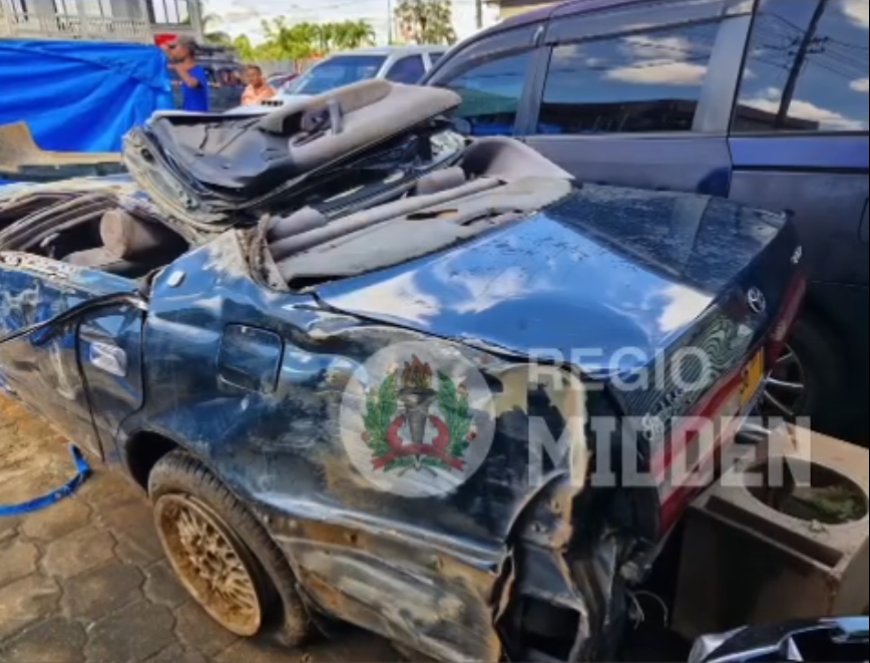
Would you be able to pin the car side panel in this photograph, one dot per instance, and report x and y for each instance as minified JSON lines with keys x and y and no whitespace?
{"x":675,"y":162}
{"x":827,"y":206}
{"x":264,"y":419}
{"x":110,"y":356}
{"x":42,"y":368}
{"x":823,"y":182}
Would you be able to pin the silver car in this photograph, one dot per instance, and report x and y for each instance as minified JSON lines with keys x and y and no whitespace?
{"x":398,"y":64}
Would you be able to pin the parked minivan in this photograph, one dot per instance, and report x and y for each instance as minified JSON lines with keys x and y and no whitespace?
{"x":764,"y":102}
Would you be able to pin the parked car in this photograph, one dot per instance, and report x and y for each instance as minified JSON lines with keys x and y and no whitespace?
{"x":764,"y":103}
{"x":357,"y":365}
{"x":397,"y":64}
{"x":278,"y":81}
{"x":802,"y":641}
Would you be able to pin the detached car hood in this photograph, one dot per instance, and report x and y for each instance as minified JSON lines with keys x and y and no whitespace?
{"x":209,"y":168}
{"x":605,"y":269}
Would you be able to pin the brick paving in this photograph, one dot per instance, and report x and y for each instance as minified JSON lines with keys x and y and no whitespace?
{"x":86,"y":581}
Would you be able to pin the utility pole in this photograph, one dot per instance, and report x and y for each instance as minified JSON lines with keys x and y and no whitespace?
{"x":390,"y":19}
{"x":800,"y":56}
{"x":479,"y":13}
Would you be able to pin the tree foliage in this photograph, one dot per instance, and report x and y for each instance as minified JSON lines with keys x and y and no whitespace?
{"x":301,"y":41}
{"x":244,"y":48}
{"x":214,"y":36}
{"x":426,"y":21}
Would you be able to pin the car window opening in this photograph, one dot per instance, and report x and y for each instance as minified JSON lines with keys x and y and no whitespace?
{"x":91,"y":231}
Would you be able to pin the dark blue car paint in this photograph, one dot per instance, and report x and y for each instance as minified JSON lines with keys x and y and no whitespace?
{"x":43,"y":369}
{"x":248,"y":379}
{"x":674,"y":254}
{"x":820,"y":178}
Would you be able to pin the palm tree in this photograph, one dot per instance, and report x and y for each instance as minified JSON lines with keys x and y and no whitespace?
{"x":242,"y":46}
{"x":214,"y":36}
{"x":354,"y":34}
{"x":326,"y":34}
{"x":427,"y":21}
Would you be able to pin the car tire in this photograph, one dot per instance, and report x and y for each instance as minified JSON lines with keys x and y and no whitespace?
{"x":202,"y":525}
{"x":822,"y":372}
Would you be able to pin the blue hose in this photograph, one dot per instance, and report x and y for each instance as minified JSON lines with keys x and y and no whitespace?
{"x":83,"y":471}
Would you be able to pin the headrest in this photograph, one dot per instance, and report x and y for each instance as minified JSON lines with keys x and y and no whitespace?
{"x":127,"y":238}
{"x":348,"y":99}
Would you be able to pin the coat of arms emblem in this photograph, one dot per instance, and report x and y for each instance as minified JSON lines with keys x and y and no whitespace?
{"x":419,"y":419}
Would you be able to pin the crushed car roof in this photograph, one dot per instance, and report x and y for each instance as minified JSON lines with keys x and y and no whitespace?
{"x":206,"y":168}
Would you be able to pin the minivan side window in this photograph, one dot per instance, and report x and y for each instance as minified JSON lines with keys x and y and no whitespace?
{"x":806,"y":68}
{"x":640,"y":82}
{"x":491,"y":93}
{"x":407,"y":70}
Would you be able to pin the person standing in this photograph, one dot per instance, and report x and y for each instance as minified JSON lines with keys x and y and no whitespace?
{"x":258,"y":90}
{"x":192,"y":77}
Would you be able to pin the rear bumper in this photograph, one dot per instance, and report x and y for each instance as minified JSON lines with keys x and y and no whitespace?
{"x":692,"y":457}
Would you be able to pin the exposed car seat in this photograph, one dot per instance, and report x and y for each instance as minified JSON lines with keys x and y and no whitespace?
{"x":131,"y":246}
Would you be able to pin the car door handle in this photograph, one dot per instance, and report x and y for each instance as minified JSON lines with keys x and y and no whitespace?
{"x":108,"y":358}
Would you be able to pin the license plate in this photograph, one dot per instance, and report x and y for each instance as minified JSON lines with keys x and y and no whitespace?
{"x":753,"y":375}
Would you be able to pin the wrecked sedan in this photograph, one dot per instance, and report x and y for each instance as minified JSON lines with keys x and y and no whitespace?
{"x":356,"y":360}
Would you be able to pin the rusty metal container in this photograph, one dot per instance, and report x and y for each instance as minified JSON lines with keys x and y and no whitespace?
{"x":756,"y":554}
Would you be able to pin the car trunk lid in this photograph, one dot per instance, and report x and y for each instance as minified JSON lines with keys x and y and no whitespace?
{"x":605,"y":269}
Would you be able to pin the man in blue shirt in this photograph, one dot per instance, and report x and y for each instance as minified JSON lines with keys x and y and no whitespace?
{"x":193,"y":79}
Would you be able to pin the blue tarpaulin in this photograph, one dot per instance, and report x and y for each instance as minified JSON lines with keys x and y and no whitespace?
{"x":81,"y":96}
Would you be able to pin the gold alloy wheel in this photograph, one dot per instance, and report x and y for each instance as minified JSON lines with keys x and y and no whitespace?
{"x":211,"y":562}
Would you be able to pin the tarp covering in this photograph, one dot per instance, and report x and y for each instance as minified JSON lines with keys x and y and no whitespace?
{"x":81,"y":96}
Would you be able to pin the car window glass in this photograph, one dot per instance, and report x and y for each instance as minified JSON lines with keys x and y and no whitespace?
{"x":491,"y":94}
{"x":407,"y":70}
{"x":644,"y":81}
{"x":434,"y":57}
{"x":337,"y":71}
{"x":806,"y":68}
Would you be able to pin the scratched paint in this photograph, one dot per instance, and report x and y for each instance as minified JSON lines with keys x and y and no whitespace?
{"x":455,"y":575}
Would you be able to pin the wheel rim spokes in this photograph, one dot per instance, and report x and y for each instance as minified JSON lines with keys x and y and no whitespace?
{"x":785,"y":388}
{"x":210,"y":561}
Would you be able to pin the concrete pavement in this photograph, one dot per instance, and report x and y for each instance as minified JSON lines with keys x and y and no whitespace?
{"x":86,"y":581}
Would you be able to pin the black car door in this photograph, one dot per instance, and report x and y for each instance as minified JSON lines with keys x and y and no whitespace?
{"x":81,"y":372}
{"x":639,"y":95}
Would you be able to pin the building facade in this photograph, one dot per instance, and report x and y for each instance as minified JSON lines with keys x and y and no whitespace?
{"x":101,"y":20}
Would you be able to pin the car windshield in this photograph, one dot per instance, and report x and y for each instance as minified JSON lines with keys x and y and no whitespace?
{"x":335,"y":72}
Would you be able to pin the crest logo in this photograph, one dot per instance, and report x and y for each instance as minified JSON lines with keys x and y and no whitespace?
{"x":417,"y":419}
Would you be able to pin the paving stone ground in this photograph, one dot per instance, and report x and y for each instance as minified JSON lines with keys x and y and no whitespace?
{"x":85,"y":581}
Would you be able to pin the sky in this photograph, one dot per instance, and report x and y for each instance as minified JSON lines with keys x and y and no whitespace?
{"x":245,"y":16}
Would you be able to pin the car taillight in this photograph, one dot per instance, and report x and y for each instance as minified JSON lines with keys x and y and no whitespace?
{"x":785,"y":319}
